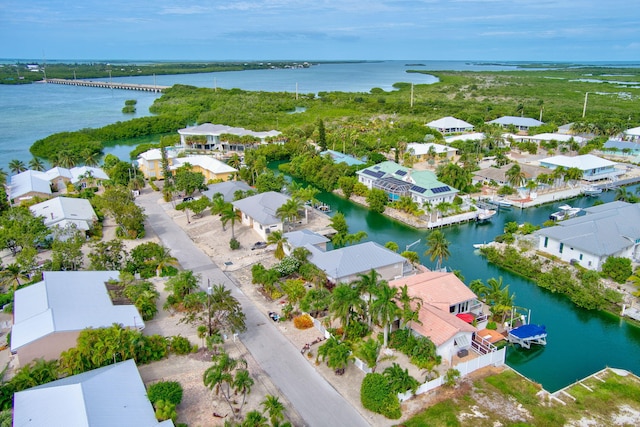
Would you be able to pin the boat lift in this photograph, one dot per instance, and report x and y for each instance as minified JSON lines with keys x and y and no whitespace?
{"x":527,"y":333}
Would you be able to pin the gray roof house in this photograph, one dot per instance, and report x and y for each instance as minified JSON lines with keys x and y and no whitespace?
{"x":611,"y":229}
{"x":344,"y":264}
{"x":227,"y":189}
{"x":110,"y":396}
{"x":300,"y":238}
{"x":259,"y":212}
{"x":521,"y":123}
{"x":27,"y":185}
{"x":49,"y":315}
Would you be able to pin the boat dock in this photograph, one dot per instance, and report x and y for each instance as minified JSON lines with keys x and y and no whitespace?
{"x":109,"y":85}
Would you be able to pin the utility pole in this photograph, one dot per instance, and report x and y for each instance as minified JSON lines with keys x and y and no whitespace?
{"x":411,"y":103}
{"x":209,"y":291}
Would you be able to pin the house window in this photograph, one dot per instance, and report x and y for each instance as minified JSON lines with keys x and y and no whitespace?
{"x":580,"y":257}
{"x":561,"y":247}
{"x":546,"y":241}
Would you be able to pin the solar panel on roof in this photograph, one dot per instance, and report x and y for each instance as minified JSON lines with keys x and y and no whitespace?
{"x":373,"y":173}
{"x":401,"y":172}
{"x":418,"y":189}
{"x":437,"y":190}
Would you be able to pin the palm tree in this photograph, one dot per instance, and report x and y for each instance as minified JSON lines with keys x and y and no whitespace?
{"x":343,"y":300}
{"x":288,"y":211}
{"x":385,"y":308}
{"x":65,"y":159}
{"x":253,"y":419}
{"x":16,"y":166}
{"x":515,"y":176}
{"x":229,"y":214}
{"x":3,"y":176}
{"x":368,"y":283}
{"x":368,"y":351}
{"x":163,"y":259}
{"x":392,"y":246}
{"x":409,"y":307}
{"x":90,"y":158}
{"x":438,"y":247}
{"x":242,"y":383}
{"x":12,"y":274}
{"x":278,"y":239}
{"x":339,"y":357}
{"x":400,"y":380}
{"x":622,"y":194}
{"x":218,"y":204}
{"x":36,"y":164}
{"x":272,"y":405}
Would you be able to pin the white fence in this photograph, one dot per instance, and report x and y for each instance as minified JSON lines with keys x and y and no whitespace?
{"x":495,"y":358}
{"x":321,"y":328}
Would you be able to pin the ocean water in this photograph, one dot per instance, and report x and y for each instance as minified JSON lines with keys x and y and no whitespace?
{"x":31,"y":112}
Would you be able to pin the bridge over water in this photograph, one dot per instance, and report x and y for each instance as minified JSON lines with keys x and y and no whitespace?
{"x":108,"y":85}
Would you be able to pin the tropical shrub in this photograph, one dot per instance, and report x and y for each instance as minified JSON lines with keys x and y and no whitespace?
{"x":180,"y":345}
{"x":304,"y":321}
{"x":287,"y":266}
{"x":169,"y":391}
{"x":376,"y":396}
{"x":234,"y":244}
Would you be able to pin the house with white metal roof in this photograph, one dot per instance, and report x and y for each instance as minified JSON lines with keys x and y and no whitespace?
{"x":339,"y":157}
{"x":49,"y":315}
{"x":27,"y":185}
{"x":521,"y":123}
{"x":450,"y":125}
{"x":443,"y":297}
{"x":212,"y":169}
{"x":62,"y":212}
{"x":622,"y":147}
{"x":345,"y":264}
{"x":397,"y":181}
{"x":548,"y":137}
{"x":611,"y":229}
{"x":150,"y":162}
{"x":259,"y":212}
{"x":593,"y":168}
{"x":113,"y":395}
{"x":425,"y":150}
{"x":212,"y":137}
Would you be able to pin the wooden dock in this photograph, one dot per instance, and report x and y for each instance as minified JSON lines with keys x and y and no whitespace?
{"x":109,"y":85}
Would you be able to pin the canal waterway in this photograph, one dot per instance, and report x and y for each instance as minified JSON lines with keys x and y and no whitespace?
{"x":580,"y":342}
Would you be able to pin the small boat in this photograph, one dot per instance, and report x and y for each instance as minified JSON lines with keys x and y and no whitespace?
{"x":526,"y":335}
{"x":504,"y":203}
{"x":565,"y":212}
{"x":591,"y":190}
{"x":485,"y":215}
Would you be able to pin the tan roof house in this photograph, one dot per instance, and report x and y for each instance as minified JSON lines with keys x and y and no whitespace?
{"x":444,"y":297}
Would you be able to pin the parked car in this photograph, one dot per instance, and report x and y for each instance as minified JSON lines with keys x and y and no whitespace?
{"x":259,"y":245}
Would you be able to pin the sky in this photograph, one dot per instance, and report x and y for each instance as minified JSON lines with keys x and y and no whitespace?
{"x":217,"y":30}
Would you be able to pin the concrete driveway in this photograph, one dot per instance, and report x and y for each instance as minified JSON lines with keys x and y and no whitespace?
{"x":317,"y":402}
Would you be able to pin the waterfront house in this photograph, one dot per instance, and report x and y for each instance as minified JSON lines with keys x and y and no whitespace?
{"x":150,"y":162}
{"x":211,"y":168}
{"x":424,"y":151}
{"x":259,"y":212}
{"x":49,"y":315}
{"x":228,"y":189}
{"x":339,"y":157}
{"x":397,"y":181}
{"x":450,"y":125}
{"x":593,"y":168}
{"x":113,"y":395}
{"x":63,"y":212}
{"x":208,"y":136}
{"x":520,"y":123}
{"x":303,"y":237}
{"x":343,"y":265}
{"x":622,"y":147}
{"x":611,"y":229}
{"x":548,"y":137}
{"x":499,"y":175}
{"x":446,"y":301}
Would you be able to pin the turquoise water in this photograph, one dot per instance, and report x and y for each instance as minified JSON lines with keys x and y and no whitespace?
{"x":580,"y":342}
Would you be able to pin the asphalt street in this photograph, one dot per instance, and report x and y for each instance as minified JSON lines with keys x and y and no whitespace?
{"x":317,"y":402}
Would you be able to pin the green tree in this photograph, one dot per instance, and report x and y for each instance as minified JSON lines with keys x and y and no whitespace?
{"x":118,"y":202}
{"x":188,"y":181}
{"x":242,"y":383}
{"x":409,"y":307}
{"x":322,"y":135}
{"x":66,"y":253}
{"x":400,"y":381}
{"x":19,"y":228}
{"x":16,"y":166}
{"x":368,"y":284}
{"x":182,"y":284}
{"x":229,"y":215}
{"x":272,"y":406}
{"x":377,"y":200}
{"x":13,"y":276}
{"x":438,"y":247}
{"x":277,"y":238}
{"x":384,"y":308}
{"x":316,"y":301}
{"x":618,"y":268}
{"x":369,"y":351}
{"x":288,"y":211}
{"x":36,"y":164}
{"x":392,"y":246}
{"x":515,"y":176}
{"x":344,"y":302}
{"x":269,"y":181}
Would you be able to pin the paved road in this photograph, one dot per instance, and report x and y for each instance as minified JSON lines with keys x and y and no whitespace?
{"x":317,"y":402}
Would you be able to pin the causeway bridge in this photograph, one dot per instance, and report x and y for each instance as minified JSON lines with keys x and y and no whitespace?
{"x":108,"y":85}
